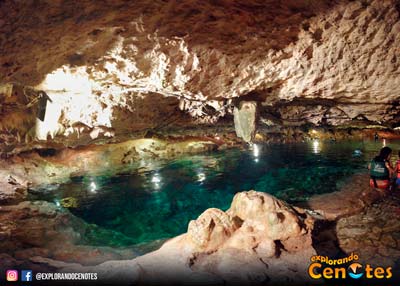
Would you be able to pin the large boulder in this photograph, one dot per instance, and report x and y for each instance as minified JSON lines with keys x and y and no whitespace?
{"x":211,"y":229}
{"x":260,"y":238}
{"x":255,"y":221}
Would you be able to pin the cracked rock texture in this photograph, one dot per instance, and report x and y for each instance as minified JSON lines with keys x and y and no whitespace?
{"x":31,"y":229}
{"x":375,"y":233}
{"x":259,"y":239}
{"x":258,"y":228}
{"x":133,"y":65}
{"x":44,"y":167}
{"x":245,"y":120}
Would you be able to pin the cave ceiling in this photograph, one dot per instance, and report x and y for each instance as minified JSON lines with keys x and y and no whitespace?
{"x":319,"y":62}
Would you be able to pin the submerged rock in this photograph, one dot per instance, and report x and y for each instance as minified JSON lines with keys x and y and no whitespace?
{"x":36,"y":168}
{"x":31,"y":229}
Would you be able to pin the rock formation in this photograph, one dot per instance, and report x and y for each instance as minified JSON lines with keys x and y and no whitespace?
{"x":259,"y":239}
{"x":244,"y":242}
{"x":49,"y":166}
{"x":245,"y":117}
{"x":132,"y":66}
{"x":30,"y":229}
{"x":85,"y":86}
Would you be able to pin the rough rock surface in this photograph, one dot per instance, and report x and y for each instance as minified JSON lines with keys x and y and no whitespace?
{"x":134,"y":64}
{"x":30,"y":229}
{"x":12,"y":190}
{"x":257,"y":228}
{"x":259,"y":239}
{"x":49,"y":166}
{"x":374,"y":233}
{"x":349,"y":200}
{"x":245,"y":116}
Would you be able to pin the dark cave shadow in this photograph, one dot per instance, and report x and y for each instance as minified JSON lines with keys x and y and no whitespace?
{"x":326,"y":243}
{"x":325,"y":240}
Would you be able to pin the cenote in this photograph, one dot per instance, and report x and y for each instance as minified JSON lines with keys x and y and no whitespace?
{"x":145,"y":206}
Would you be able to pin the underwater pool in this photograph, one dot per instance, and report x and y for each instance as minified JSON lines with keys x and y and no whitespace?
{"x":158,"y":201}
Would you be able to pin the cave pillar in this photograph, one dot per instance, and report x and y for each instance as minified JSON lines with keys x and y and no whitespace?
{"x":245,"y":120}
{"x":49,"y":112}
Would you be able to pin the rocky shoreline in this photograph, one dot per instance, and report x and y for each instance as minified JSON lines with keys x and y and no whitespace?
{"x":259,"y":240}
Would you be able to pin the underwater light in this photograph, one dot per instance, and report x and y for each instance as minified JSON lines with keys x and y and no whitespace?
{"x":357,"y":153}
{"x":58,"y":203}
{"x":256,"y":150}
{"x":156,"y":180}
{"x":316,"y":148}
{"x":201,"y":177}
{"x":93,"y":187}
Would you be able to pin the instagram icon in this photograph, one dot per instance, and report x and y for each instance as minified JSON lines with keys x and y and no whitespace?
{"x":12,"y":275}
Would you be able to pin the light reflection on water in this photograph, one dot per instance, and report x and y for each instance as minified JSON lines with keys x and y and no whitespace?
{"x":158,"y":200}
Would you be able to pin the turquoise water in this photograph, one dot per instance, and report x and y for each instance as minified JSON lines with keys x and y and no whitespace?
{"x":158,"y":201}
